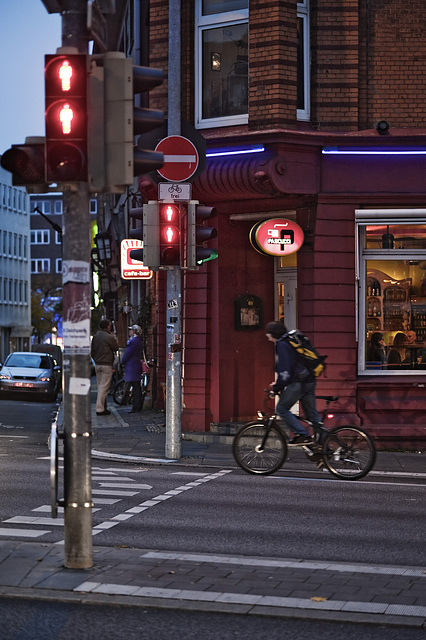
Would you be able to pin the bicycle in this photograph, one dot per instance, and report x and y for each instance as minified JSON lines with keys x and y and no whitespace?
{"x":122,"y":392}
{"x":261,"y":447}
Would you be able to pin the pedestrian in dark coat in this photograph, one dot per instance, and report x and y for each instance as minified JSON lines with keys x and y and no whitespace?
{"x":132,"y":363}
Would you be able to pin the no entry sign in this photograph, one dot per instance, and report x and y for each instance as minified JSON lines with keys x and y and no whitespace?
{"x":180,"y":158}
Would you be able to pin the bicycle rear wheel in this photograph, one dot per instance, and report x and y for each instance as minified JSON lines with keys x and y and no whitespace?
{"x":349,"y":453}
{"x":121,"y":394}
{"x":258,"y":451}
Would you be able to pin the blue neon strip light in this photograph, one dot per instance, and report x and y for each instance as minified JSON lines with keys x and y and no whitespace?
{"x":234,"y":152}
{"x":373,"y":152}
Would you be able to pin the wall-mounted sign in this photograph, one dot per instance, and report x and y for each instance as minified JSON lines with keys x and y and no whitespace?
{"x":133,"y":269}
{"x":276,"y":237}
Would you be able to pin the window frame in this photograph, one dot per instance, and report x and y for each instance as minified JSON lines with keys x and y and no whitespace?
{"x":303,"y":12}
{"x":40,"y":236}
{"x":203,"y":23}
{"x":364,"y":218}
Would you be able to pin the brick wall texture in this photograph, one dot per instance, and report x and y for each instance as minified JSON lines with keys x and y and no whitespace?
{"x":368,"y":62}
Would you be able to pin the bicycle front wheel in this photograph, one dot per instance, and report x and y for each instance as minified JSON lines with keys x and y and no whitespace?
{"x":259,"y":450}
{"x":349,"y":453}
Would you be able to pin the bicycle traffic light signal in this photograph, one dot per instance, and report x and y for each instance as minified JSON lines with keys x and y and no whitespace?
{"x":198,"y":234}
{"x":66,"y":117}
{"x":169,"y":234}
{"x":26,"y":163}
{"x":148,"y":233}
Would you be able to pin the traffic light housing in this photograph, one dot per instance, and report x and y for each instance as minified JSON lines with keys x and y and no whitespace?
{"x":198,"y":234}
{"x":169,"y":234}
{"x":148,"y":233}
{"x":123,"y":120}
{"x":26,"y":163}
{"x":66,"y":117}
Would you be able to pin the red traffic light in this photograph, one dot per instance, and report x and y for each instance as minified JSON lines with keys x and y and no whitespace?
{"x":66,"y":117}
{"x":169,"y":235}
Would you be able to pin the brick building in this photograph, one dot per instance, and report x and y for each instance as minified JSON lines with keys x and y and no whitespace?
{"x":333,"y":93}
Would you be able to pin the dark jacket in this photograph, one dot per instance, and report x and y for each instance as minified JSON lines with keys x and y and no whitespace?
{"x":104,"y":347}
{"x":288,"y":367}
{"x":131,"y":360}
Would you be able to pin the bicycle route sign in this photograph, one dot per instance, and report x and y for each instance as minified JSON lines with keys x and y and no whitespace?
{"x":180,"y":158}
{"x":175,"y":191}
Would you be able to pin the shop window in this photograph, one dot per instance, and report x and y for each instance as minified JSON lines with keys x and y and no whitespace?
{"x":392,"y":291}
{"x":221,"y":62}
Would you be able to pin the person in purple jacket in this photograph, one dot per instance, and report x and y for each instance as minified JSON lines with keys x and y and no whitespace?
{"x":132,"y":363}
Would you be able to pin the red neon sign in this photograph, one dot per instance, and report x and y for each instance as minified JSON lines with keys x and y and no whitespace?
{"x":276,"y":237}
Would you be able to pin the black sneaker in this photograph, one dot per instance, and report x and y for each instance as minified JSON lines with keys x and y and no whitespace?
{"x":300,"y":439}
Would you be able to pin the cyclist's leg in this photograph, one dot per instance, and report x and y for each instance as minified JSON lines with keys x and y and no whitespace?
{"x":309,"y":406}
{"x":288,"y":397}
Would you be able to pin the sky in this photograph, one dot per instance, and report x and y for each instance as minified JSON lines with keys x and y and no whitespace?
{"x":27,"y":33}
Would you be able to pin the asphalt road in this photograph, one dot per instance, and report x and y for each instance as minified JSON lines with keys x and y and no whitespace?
{"x":33,"y":620}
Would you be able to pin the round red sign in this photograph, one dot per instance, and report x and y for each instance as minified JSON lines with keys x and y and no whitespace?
{"x":180,"y":158}
{"x":276,"y":237}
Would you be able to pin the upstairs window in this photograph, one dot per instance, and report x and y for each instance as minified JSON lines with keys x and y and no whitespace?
{"x":221,"y":63}
{"x":303,"y":61}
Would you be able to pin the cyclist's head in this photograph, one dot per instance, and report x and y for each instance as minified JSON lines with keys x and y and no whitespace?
{"x":276,"y":330}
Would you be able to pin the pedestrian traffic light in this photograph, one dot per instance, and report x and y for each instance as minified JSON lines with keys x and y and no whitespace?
{"x":198,"y":234}
{"x":66,"y":117}
{"x":123,"y":120}
{"x":26,"y":163}
{"x":148,"y":233}
{"x":169,"y":234}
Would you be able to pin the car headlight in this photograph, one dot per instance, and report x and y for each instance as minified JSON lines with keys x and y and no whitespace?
{"x":44,"y":378}
{"x":5,"y":376}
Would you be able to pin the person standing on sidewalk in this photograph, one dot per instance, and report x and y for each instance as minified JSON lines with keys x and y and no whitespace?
{"x":132,"y":363}
{"x":103,"y":350}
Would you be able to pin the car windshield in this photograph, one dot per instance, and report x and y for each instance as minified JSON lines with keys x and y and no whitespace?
{"x":31,"y":360}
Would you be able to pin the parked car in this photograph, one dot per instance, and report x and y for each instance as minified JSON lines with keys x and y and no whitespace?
{"x":32,"y":373}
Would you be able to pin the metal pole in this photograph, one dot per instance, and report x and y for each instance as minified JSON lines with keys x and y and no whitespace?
{"x":76,"y":328}
{"x":76,"y":393}
{"x":173,"y":448}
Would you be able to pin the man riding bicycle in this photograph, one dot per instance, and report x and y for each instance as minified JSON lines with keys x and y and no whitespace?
{"x":294,"y":383}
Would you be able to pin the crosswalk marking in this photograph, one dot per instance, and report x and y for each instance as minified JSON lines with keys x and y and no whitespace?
{"x":22,"y":533}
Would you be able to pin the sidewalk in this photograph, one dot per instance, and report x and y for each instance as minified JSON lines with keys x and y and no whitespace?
{"x":385,"y":595}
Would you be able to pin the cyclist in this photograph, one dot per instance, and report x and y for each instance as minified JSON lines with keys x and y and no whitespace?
{"x":294,"y":383}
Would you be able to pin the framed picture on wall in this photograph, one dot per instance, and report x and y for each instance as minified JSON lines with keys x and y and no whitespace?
{"x":248,"y":313}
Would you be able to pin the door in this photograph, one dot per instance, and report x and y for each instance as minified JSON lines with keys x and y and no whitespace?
{"x":286,"y":296}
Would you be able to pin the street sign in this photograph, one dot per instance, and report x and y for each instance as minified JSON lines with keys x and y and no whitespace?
{"x":180,"y":158}
{"x":133,"y":269}
{"x":174,"y":191}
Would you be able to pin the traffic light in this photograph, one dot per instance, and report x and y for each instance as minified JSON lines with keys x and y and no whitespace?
{"x":66,"y":117}
{"x":123,"y":121}
{"x":26,"y":163}
{"x":198,"y":234}
{"x":169,"y":234}
{"x":148,"y":233}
